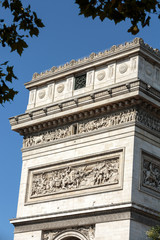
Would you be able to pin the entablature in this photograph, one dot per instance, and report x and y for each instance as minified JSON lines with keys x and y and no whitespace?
{"x":88,"y":106}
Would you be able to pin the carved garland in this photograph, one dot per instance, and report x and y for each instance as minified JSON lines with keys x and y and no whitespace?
{"x":87,"y":231}
{"x":106,"y":121}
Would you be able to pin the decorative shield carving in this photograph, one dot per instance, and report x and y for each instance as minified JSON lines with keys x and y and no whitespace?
{"x":60,"y":88}
{"x":101,"y":75}
{"x":123,"y":68}
{"x":41,"y":94}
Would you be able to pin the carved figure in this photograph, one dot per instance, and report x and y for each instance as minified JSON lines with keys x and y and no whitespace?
{"x":75,"y":177}
{"x":108,"y":120}
{"x":151,"y":175}
{"x":38,"y":139}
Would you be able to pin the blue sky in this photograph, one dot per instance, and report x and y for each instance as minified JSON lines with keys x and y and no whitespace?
{"x":66,"y":36}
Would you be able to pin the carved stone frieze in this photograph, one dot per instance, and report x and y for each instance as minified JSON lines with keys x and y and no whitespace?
{"x":87,"y":175}
{"x":76,"y":177}
{"x":47,"y":136}
{"x":87,"y":231}
{"x":106,"y":121}
{"x":151,"y":174}
{"x":148,"y":120}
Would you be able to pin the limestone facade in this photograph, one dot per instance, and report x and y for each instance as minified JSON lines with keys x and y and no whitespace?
{"x":91,"y":148}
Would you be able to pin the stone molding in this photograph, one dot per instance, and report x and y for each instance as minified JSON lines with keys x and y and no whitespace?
{"x":131,"y":212}
{"x":137,"y":42}
{"x":87,"y":175}
{"x":88,"y":100}
{"x":82,"y":233}
{"x":150,"y":174}
{"x":130,"y":115}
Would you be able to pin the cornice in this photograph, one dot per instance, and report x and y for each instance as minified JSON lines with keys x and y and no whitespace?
{"x":87,"y":106}
{"x":100,"y":210}
{"x":93,"y":60}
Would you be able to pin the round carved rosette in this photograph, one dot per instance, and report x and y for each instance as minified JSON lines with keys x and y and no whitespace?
{"x":41,"y":94}
{"x":101,"y":75}
{"x":60,"y":88}
{"x":148,"y":70}
{"x":123,"y":68}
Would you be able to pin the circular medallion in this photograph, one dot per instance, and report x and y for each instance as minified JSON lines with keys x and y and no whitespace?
{"x":60,"y":88}
{"x":41,"y":94}
{"x":149,"y":70}
{"x":123,"y":68}
{"x":101,"y":75}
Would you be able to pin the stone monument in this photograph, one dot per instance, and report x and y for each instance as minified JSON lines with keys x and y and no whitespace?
{"x":91,"y":148}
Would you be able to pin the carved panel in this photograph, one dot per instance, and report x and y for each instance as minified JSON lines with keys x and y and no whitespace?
{"x":157,"y":75}
{"x":150,"y":179}
{"x":87,"y":231}
{"x":89,"y":125}
{"x":32,"y":96}
{"x":73,"y":178}
{"x":107,"y":121}
{"x":47,"y":136}
{"x":50,"y":91}
{"x":90,"y":78}
{"x":133,"y":64}
{"x":148,"y":70}
{"x":70,"y":84}
{"x":111,"y":69}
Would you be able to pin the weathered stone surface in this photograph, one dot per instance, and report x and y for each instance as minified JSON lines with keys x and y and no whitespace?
{"x":90,"y":153}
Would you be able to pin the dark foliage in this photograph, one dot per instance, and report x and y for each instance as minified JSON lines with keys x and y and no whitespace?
{"x":25,"y":23}
{"x":137,"y":11}
{"x":154,"y":233}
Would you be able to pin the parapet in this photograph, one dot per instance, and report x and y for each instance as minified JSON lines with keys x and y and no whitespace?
{"x":122,"y":63}
{"x":112,"y":76}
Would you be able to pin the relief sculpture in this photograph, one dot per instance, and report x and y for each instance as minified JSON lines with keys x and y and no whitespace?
{"x":75,"y":177}
{"x":47,"y":136}
{"x":107,"y":121}
{"x":87,"y":231}
{"x":151,"y":175}
{"x":86,"y":126}
{"x":149,"y":121}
